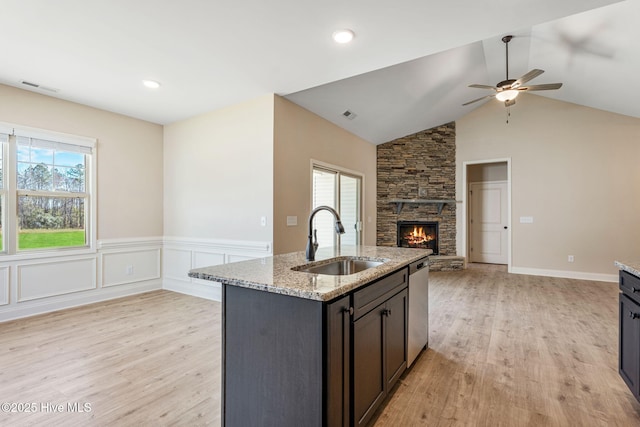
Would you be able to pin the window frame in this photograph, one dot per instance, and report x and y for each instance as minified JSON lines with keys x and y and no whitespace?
{"x":11,"y":193}
{"x":340,"y":171}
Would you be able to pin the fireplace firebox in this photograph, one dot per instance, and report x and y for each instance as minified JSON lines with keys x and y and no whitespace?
{"x":418,"y":234}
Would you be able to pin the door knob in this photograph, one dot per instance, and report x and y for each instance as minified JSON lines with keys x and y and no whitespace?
{"x":505,"y":227}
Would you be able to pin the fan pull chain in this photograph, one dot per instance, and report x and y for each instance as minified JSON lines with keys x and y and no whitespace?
{"x":508,"y":114}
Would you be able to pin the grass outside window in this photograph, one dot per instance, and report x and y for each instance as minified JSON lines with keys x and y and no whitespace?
{"x":36,"y":239}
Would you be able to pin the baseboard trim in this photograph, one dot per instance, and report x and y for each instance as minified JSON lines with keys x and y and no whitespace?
{"x":579,"y":275}
{"x":211,"y":291}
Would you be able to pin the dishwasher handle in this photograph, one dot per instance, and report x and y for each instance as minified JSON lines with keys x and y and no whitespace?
{"x":418,"y":265}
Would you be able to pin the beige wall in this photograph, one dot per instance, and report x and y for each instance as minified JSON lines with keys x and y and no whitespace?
{"x":574,"y":170}
{"x":299,"y":137}
{"x":218,"y":173}
{"x":129,"y":158}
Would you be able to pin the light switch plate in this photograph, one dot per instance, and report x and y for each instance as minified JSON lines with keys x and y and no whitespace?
{"x":526,"y":220}
{"x":292,"y":220}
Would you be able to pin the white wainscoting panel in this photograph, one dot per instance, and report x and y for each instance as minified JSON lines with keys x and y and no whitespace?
{"x":175,"y":263}
{"x":30,"y":286}
{"x":183,"y":254}
{"x":238,"y":258}
{"x":4,"y":285}
{"x":46,"y":279}
{"x":205,"y":259}
{"x":119,"y":268}
{"x":123,"y":267}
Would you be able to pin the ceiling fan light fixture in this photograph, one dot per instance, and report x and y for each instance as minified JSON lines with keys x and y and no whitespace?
{"x":507,"y":95}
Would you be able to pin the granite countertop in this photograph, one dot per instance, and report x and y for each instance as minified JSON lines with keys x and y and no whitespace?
{"x":631,"y":267}
{"x":274,"y":274}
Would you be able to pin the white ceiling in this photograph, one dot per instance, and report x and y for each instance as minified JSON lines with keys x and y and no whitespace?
{"x":412,"y":60}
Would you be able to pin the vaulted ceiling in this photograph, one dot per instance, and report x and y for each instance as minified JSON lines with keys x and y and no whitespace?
{"x":407,"y":69}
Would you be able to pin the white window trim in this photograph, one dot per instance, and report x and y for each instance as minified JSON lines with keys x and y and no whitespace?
{"x":323,"y":165}
{"x":91,"y":184}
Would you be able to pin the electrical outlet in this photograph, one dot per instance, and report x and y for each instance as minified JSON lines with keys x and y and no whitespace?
{"x":570,"y":258}
{"x":129,"y":270}
{"x":263,"y":221}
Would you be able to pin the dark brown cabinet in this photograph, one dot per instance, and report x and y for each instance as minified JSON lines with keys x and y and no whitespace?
{"x":629,"y":340}
{"x":368,"y":373}
{"x":338,"y":362}
{"x":395,"y":338}
{"x":303,"y":362}
{"x":379,"y":345}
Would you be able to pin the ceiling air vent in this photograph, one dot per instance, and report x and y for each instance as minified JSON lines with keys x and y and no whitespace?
{"x":350,"y":114}
{"x":37,"y":86}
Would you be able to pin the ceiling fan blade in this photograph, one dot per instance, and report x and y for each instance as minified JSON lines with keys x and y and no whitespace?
{"x":546,"y":86}
{"x":483,"y":87}
{"x":479,"y":99}
{"x":529,"y":76}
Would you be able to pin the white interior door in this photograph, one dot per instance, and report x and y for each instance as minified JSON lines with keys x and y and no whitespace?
{"x":488,"y":222}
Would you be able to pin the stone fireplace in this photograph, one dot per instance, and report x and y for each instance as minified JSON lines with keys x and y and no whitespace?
{"x":421,"y":167}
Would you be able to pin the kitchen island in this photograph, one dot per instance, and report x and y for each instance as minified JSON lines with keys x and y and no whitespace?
{"x":312,"y":349}
{"x":629,"y":325}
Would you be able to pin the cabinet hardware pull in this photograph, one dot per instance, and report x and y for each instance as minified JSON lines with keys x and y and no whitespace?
{"x":634,"y":290}
{"x":634,"y":315}
{"x":386,"y":312}
{"x":348,"y":310}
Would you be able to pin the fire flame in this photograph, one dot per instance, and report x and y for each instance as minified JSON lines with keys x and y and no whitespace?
{"x":418,"y":236}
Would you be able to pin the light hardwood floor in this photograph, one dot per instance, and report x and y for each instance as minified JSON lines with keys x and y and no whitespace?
{"x":504,"y":350}
{"x":151,"y":359}
{"x":515,"y":350}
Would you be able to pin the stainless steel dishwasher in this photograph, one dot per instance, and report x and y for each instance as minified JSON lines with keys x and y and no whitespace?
{"x":418,"y":308}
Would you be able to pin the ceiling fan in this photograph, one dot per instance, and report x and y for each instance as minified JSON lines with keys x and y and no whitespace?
{"x":507,"y":90}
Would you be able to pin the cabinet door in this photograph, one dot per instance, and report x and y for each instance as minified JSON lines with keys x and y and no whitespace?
{"x":338,"y":358}
{"x":629,"y":352}
{"x":368,"y":365}
{"x":395,"y":324}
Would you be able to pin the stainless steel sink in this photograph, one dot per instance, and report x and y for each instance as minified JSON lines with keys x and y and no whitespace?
{"x":339,"y":267}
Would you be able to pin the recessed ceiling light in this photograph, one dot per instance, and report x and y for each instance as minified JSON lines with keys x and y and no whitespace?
{"x":343,"y":36}
{"x":151,"y":84}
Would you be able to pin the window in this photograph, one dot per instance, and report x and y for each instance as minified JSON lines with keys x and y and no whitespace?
{"x":340,"y":190}
{"x":47,"y":191}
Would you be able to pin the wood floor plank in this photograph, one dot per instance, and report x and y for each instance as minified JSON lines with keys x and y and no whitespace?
{"x":505,"y":350}
{"x":516,"y":350}
{"x":149,"y":359}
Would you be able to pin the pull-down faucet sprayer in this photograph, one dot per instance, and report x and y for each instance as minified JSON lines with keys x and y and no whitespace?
{"x":311,"y":248}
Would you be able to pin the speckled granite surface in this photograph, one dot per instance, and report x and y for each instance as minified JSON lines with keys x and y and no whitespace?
{"x":274,"y":274}
{"x":631,"y":267}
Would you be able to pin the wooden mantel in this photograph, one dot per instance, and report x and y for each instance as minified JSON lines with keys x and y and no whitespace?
{"x":401,"y":202}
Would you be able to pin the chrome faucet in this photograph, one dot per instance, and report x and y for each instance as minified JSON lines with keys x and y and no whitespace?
{"x":311,"y":245}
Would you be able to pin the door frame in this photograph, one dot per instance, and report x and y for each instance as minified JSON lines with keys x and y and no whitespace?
{"x":464,"y":223}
